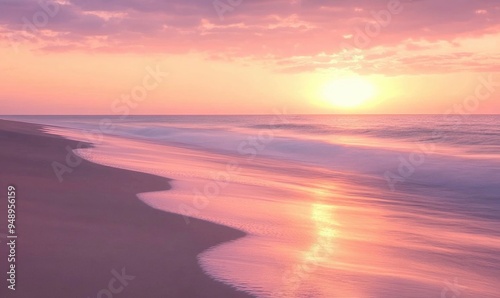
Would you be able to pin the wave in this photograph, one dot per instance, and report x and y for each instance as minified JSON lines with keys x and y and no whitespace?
{"x":320,"y":213}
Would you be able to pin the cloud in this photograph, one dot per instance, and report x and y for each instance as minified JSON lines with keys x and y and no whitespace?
{"x":313,"y":31}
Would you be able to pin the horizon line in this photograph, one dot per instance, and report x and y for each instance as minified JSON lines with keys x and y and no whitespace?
{"x":293,"y":114}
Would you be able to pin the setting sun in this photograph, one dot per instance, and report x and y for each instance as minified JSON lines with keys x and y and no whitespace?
{"x":349,"y":92}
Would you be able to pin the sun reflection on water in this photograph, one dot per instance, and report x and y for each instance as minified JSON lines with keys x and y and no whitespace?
{"x":320,"y":253}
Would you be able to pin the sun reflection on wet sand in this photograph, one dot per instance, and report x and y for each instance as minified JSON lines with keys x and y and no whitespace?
{"x":319,"y":254}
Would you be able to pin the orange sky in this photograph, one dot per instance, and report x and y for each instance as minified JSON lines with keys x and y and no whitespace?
{"x":91,"y":57}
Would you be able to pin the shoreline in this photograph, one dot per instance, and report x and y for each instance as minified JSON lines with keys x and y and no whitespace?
{"x":76,"y":235}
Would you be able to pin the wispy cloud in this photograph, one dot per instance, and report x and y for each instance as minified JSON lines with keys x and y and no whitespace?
{"x":299,"y":35}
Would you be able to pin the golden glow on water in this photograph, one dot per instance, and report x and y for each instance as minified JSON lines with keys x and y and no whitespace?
{"x":321,"y":252}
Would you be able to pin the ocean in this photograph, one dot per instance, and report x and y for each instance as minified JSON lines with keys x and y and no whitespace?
{"x":332,"y":205}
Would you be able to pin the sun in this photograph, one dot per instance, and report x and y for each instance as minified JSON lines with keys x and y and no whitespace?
{"x":349,"y":92}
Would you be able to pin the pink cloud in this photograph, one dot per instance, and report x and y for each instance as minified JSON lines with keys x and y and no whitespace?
{"x":316,"y":31}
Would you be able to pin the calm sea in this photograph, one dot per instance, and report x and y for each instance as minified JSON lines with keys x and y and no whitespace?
{"x":333,"y":206}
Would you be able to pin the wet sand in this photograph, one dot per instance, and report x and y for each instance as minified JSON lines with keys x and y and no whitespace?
{"x":74,"y":233}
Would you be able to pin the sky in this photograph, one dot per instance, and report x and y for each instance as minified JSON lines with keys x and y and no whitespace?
{"x":249,"y":57}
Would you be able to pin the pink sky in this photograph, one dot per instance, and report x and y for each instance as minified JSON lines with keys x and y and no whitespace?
{"x":247,"y":57}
